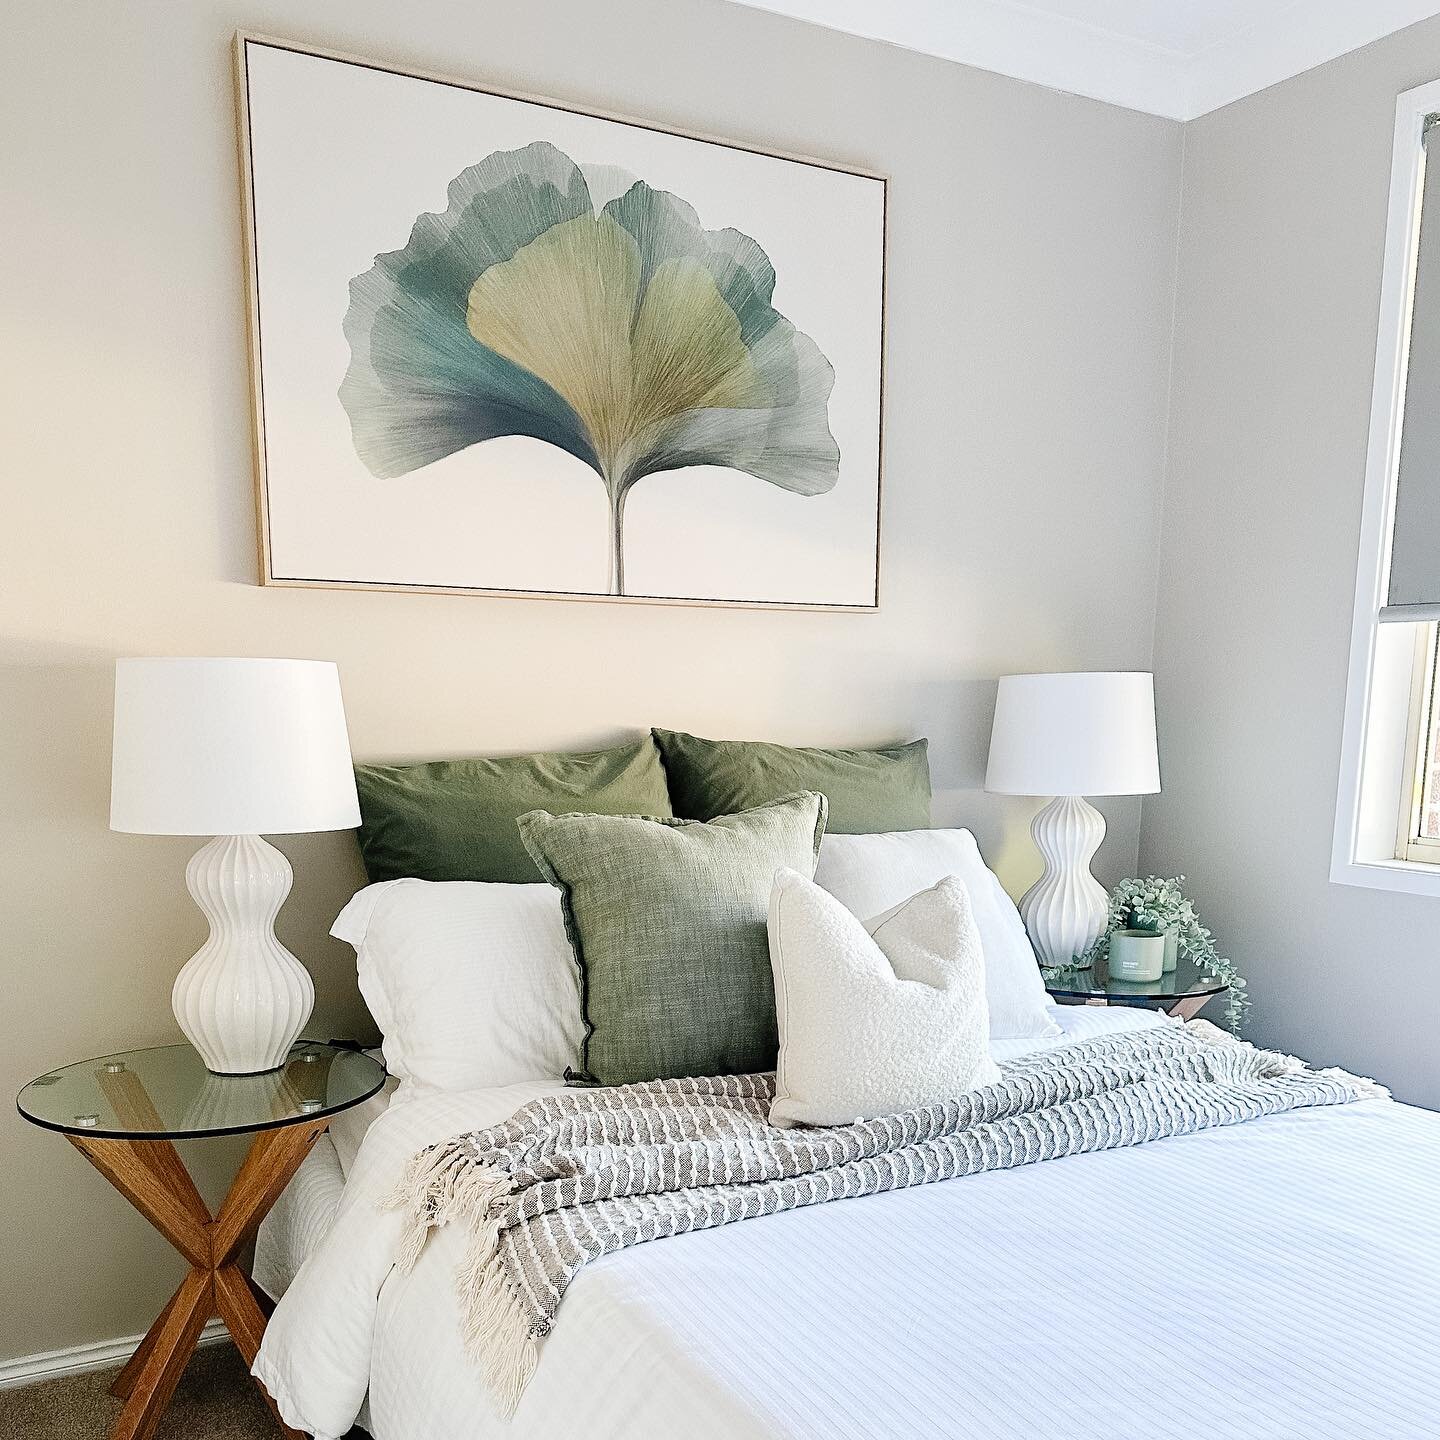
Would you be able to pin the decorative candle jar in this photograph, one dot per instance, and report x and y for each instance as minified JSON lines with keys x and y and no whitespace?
{"x":1137,"y":955}
{"x":1172,"y":949}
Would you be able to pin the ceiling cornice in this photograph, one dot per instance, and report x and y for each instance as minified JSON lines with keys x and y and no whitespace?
{"x":1282,"y":46}
{"x":1011,"y":38}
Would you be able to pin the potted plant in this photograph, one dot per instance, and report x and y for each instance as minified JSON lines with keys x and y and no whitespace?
{"x":1158,"y":905}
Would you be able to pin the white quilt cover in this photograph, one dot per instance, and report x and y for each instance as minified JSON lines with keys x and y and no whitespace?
{"x":299,"y":1220}
{"x":1278,"y":1280}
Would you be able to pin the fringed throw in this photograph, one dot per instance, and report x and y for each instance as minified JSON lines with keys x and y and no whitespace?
{"x":581,"y":1173}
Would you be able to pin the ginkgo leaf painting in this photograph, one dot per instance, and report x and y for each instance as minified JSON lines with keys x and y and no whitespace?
{"x":624,"y":333}
{"x":502,"y":346}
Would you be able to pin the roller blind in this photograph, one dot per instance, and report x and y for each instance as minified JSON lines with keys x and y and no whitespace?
{"x":1414,"y":587}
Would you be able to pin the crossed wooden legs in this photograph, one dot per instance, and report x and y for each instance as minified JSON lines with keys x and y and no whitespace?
{"x":152,"y":1177}
{"x":1186,"y":1009}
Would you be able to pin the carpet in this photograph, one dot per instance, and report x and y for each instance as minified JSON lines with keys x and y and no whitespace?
{"x":215,"y":1400}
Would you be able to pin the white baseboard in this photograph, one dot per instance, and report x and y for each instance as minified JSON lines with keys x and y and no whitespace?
{"x":51,"y":1364}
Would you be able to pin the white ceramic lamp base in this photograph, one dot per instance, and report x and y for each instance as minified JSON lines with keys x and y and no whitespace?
{"x":242,"y":998}
{"x":1066,"y":908}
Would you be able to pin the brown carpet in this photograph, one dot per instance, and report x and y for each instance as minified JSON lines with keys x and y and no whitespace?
{"x":215,"y":1400}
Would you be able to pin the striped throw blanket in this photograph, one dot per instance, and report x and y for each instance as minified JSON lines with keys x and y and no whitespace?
{"x":579,"y":1174}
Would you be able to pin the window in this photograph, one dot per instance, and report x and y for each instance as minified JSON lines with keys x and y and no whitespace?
{"x":1419,"y":835}
{"x":1387,"y":824}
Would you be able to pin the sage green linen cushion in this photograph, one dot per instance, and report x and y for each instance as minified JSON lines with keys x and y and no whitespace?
{"x":455,"y":819}
{"x":667,"y":919}
{"x":871,"y":792}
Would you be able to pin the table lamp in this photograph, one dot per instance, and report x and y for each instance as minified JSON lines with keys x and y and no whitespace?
{"x":234,"y":749}
{"x":1069,"y":736}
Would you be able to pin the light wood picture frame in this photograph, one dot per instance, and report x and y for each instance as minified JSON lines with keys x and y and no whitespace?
{"x":467,"y":306}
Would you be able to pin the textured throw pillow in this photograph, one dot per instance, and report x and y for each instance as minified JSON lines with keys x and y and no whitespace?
{"x":667,"y":919}
{"x":870,"y":873}
{"x":868,"y":790}
{"x":875,"y":1018}
{"x":455,"y":819}
{"x":472,"y":986}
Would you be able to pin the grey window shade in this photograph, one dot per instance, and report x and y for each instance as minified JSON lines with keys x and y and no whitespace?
{"x":1414,"y":588}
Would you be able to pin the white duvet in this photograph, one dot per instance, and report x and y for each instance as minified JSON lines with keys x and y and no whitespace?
{"x":1277,"y":1280}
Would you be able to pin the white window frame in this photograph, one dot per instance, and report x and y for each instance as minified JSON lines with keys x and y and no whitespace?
{"x":1419,"y":746}
{"x":1379,"y":754}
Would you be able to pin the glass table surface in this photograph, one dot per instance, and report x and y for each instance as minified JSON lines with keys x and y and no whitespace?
{"x":167,"y":1093}
{"x":1186,"y":981}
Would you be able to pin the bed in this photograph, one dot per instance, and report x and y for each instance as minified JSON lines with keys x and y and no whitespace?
{"x":1271,"y":1278}
{"x":1274,"y":1279}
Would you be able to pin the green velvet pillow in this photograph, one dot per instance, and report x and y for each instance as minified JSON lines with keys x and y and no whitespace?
{"x":667,"y":921}
{"x":870,"y":792}
{"x":455,"y":819}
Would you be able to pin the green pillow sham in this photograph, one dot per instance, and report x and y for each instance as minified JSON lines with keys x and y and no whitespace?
{"x":870,"y":791}
{"x":667,"y":921}
{"x":455,"y":819}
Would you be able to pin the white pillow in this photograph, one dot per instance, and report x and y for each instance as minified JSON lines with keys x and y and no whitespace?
{"x":879,"y":1018}
{"x":472,"y":985}
{"x":870,"y":873}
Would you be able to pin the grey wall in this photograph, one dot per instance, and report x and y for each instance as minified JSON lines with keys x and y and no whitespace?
{"x":1282,"y":240}
{"x":1031,"y":282}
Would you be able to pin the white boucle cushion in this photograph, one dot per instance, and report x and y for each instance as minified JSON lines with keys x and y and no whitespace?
{"x":879,"y":1018}
{"x":870,"y":873}
{"x":473,"y":985}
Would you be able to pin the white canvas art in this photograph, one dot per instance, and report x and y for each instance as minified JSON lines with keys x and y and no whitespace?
{"x":505,"y":346}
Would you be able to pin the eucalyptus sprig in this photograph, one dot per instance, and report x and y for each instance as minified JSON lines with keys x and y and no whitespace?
{"x":1158,"y":903}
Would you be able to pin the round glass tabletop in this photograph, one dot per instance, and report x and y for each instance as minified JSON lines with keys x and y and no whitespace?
{"x":1186,"y":981}
{"x":167,"y":1093}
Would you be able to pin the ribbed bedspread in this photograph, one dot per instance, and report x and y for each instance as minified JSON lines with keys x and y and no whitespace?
{"x":578,"y":1175}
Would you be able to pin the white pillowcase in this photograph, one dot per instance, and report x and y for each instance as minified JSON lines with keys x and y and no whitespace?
{"x":870,"y":873}
{"x":879,"y":1018}
{"x":472,"y":985}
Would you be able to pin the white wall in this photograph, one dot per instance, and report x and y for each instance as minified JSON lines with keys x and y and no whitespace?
{"x":1282,"y":240}
{"x":1031,"y":270}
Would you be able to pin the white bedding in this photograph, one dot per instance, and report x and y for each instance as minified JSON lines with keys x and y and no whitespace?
{"x":1277,"y":1280}
{"x":300,"y":1219}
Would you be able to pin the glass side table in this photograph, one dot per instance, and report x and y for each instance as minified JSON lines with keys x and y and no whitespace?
{"x":1183,"y":991}
{"x":122,"y":1112}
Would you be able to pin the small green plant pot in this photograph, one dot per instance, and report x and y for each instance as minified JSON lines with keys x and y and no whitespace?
{"x":1172,"y":950}
{"x":1137,"y":955}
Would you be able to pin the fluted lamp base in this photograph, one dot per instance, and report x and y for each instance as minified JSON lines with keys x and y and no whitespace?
{"x":242,"y":998}
{"x":1065,"y":910}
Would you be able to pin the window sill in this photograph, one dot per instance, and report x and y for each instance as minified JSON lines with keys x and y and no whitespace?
{"x":1406,"y":877}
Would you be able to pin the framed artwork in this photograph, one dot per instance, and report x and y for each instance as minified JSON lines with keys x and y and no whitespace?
{"x":501,"y":345}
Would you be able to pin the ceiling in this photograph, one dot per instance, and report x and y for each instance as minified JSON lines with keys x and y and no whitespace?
{"x":1179,"y":58}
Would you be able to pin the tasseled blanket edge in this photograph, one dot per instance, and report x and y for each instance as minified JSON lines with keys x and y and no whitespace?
{"x":442,"y":1184}
{"x":497,"y":1329}
{"x":1363,"y":1086}
{"x":1365,"y":1089}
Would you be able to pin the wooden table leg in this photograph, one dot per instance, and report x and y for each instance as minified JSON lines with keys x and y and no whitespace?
{"x":151,"y":1175}
{"x":274,"y":1157}
{"x":157,"y":1377}
{"x":147,"y":1182}
{"x":1190,"y":1007}
{"x":125,"y":1380}
{"x":239,"y":1311}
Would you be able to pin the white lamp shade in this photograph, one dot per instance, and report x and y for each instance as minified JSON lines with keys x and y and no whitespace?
{"x":1089,"y":733}
{"x":230,"y":747}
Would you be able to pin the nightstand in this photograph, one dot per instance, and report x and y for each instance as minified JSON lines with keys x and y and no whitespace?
{"x":122,"y":1112}
{"x":1183,"y":991}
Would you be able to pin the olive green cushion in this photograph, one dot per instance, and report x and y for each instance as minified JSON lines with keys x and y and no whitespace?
{"x":870,"y":792}
{"x":667,"y":921}
{"x":455,"y":819}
